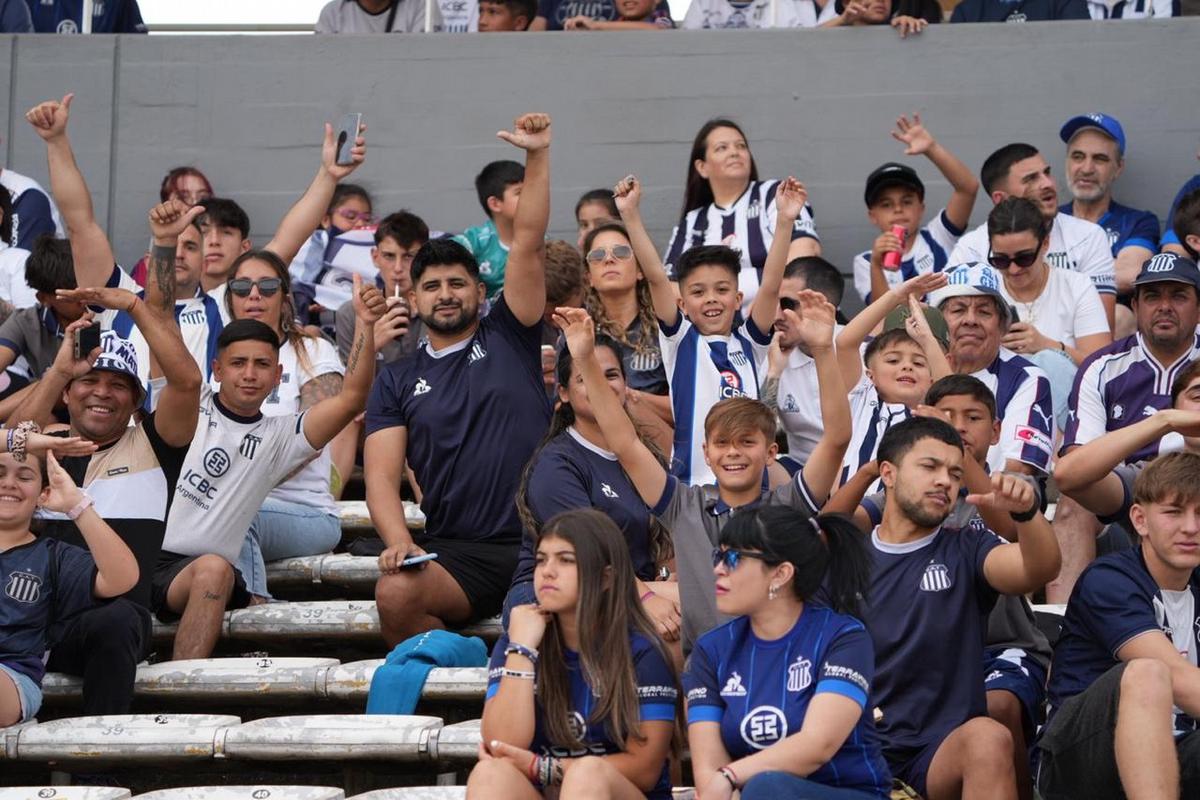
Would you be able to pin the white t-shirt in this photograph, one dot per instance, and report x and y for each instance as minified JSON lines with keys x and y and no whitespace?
{"x":347,"y":16}
{"x":1132,"y":9}
{"x":799,"y":403}
{"x":1075,"y":244}
{"x":1179,"y":617}
{"x":459,"y":16}
{"x":217,"y":293}
{"x":1068,"y":307}
{"x":13,"y":288}
{"x":231,"y":466}
{"x":704,"y":14}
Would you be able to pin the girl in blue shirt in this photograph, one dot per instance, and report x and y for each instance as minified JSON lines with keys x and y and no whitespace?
{"x":778,"y":698}
{"x":582,"y":695}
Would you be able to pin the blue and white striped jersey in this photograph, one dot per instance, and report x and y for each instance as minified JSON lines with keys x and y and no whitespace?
{"x":930,"y":252}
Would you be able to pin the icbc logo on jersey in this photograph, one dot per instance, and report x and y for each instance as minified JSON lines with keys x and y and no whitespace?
{"x":731,"y":384}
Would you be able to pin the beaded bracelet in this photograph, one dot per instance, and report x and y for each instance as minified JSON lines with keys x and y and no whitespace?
{"x":522,"y":650}
{"x":18,"y":436}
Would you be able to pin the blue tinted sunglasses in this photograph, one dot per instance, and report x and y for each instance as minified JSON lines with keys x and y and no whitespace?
{"x":731,"y":558}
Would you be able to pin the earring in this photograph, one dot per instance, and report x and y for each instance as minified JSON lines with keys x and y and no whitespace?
{"x":772,"y":592}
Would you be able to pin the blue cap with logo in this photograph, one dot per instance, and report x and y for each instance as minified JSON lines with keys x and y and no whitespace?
{"x":119,"y":355}
{"x":972,"y":280}
{"x":1101,"y":122}
{"x":1169,"y":267}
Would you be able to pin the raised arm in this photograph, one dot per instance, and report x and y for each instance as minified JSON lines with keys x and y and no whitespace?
{"x":663,"y":291}
{"x":919,"y":141}
{"x":643,"y":469}
{"x":525,"y":274}
{"x":815,"y":326}
{"x":167,"y":221}
{"x":789,"y":204}
{"x":90,"y":249}
{"x":38,"y":405}
{"x":327,"y":418}
{"x":305,"y":216}
{"x":918,"y":328}
{"x":1035,"y":559}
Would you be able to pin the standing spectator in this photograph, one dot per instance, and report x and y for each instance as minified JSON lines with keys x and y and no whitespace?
{"x":466,"y":411}
{"x":706,"y":14}
{"x":552,"y":15}
{"x":14,"y":17}
{"x":1019,"y":170}
{"x":225,"y":231}
{"x":1021,"y":11}
{"x":895,"y":197}
{"x":1134,"y":9}
{"x":634,"y":15}
{"x":506,"y":15}
{"x":906,"y":16}
{"x":33,"y":212}
{"x":498,"y":186}
{"x":376,"y":16}
{"x":186,"y":184}
{"x":594,"y":206}
{"x":66,"y":16}
{"x":978,"y":317}
{"x":724,"y":202}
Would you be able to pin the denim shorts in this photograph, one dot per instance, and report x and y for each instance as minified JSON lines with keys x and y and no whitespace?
{"x":28,"y":690}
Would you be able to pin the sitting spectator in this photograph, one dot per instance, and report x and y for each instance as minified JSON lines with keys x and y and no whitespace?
{"x":506,"y":15}
{"x":706,"y":14}
{"x":321,"y":287}
{"x":895,"y":197}
{"x":1123,"y":708}
{"x":707,"y":354}
{"x":892,"y":375}
{"x":32,"y":213}
{"x":225,"y":231}
{"x":377,"y":16}
{"x":739,"y":442}
{"x":978,"y":317}
{"x":398,"y":239}
{"x":46,"y":580}
{"x":906,"y":16}
{"x":466,"y":411}
{"x":634,"y":15}
{"x":1186,"y":220}
{"x":189,"y":186}
{"x":1021,"y":11}
{"x":1019,"y":170}
{"x":552,"y":15}
{"x":1059,"y":318}
{"x":581,"y":694}
{"x":1137,"y":9}
{"x":1095,"y":159}
{"x":723,"y":193}
{"x":498,"y":186}
{"x":931,"y":588}
{"x":237,"y":456}
{"x":779,"y":698}
{"x":15,"y":18}
{"x":66,"y":16}
{"x":594,"y":207}
{"x":459,"y":16}
{"x":1171,"y":240}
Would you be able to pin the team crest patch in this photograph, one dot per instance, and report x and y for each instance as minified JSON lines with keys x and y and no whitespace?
{"x":799,"y":675}
{"x":24,"y":587}
{"x":936,"y":578}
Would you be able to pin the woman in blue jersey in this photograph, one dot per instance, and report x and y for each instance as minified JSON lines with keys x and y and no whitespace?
{"x":724,"y":202}
{"x":582,"y":696}
{"x":573,"y":468}
{"x":778,"y":697}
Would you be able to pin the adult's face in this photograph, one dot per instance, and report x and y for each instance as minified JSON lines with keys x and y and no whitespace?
{"x":189,"y":257}
{"x":248,"y":372}
{"x":925,"y":481}
{"x":267,"y":309}
{"x":1093,"y":164}
{"x":1030,"y":178}
{"x":1167,"y":313}
{"x":100,"y":404}
{"x":447,"y":298}
{"x":975,"y":330}
{"x":726,"y":156}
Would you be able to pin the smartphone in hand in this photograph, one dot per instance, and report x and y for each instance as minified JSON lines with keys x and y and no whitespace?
{"x":86,"y":340}
{"x":347,"y":135}
{"x":413,"y":561}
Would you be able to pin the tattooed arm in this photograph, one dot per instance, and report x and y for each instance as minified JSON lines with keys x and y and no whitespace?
{"x":318,"y":389}
{"x":167,"y":221}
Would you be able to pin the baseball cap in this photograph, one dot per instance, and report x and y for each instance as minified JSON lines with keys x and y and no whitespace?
{"x":933,"y":317}
{"x":1101,"y":122}
{"x":892,"y":174}
{"x":972,"y":280}
{"x":119,"y":355}
{"x":1169,"y":267}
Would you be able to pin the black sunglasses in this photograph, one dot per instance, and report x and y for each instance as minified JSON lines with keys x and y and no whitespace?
{"x":1023,"y":259}
{"x":266,"y":286}
{"x":731,"y":558}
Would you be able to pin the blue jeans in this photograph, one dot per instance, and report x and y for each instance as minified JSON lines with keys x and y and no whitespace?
{"x":284,"y":530}
{"x":786,"y":786}
{"x":27,"y":690}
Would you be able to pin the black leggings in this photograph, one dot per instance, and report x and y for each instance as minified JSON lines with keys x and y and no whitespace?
{"x":103,"y":645}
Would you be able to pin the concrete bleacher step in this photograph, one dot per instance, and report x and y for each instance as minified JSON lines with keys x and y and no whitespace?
{"x":353,"y":681}
{"x":333,"y":737}
{"x":8,"y":738}
{"x":356,"y":518}
{"x":128,"y":738}
{"x":63,"y":793}
{"x":341,"y":570}
{"x":246,"y":793}
{"x":458,"y":743}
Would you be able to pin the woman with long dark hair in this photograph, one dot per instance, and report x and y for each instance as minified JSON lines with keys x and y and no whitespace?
{"x":778,"y":698}
{"x":582,"y":696}
{"x":724,"y":202}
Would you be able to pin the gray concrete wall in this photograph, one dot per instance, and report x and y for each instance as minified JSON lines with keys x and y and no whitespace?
{"x":817,"y":104}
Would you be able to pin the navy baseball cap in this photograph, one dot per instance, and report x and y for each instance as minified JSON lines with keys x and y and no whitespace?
{"x":1101,"y":122}
{"x":892,"y":174}
{"x":1171,"y":267}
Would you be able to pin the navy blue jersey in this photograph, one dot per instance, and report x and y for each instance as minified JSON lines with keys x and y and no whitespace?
{"x":66,"y":16}
{"x":1169,"y":235}
{"x":571,"y":472}
{"x":1126,"y":227}
{"x":1018,"y":10}
{"x":475,"y":412}
{"x":658,"y":691}
{"x":759,"y":690}
{"x":926,"y":613}
{"x":1116,"y":600}
{"x":44,"y":581}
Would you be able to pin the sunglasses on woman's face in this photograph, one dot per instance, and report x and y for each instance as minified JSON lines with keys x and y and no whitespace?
{"x":620,"y":252}
{"x":1003,"y":261}
{"x":731,"y":558}
{"x":266,"y":286}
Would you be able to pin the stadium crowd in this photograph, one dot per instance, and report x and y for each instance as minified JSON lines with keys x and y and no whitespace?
{"x":694,"y":491}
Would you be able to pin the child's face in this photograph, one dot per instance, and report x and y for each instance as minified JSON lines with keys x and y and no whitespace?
{"x":898,"y":205}
{"x":738,"y":459}
{"x":1189,"y":400}
{"x":353,"y":212}
{"x":394,"y":262}
{"x":877,"y":12}
{"x":494,"y":17}
{"x":505,"y":207}
{"x":974,"y":423}
{"x":590,"y":215}
{"x":710,"y":298}
{"x":635,"y":10}
{"x":20,"y":490}
{"x":900,"y":373}
{"x":555,"y":576}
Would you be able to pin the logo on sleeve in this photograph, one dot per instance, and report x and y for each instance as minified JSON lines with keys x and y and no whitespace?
{"x":1032,"y":436}
{"x":936,"y":578}
{"x":421,"y":388}
{"x":763,"y":727}
{"x":1117,"y":411}
{"x":733,"y":686}
{"x":608,"y":491}
{"x":24,"y":587}
{"x":799,"y":675}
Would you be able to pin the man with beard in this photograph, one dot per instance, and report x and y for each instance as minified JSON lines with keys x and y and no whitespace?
{"x":467,"y":411}
{"x":932,"y":588}
{"x":1126,"y":382}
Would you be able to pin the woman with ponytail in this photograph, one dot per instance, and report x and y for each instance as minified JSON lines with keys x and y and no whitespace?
{"x":582,"y":695}
{"x":778,"y":698}
{"x":574,"y":468}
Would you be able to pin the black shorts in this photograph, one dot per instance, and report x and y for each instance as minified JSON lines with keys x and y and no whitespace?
{"x":482,"y":569}
{"x":168,"y":568}
{"x":911,"y":764}
{"x":1078,"y":747}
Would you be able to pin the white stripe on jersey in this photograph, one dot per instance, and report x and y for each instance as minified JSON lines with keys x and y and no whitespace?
{"x":1027,"y":430}
{"x":870,"y":419}
{"x":930,"y":252}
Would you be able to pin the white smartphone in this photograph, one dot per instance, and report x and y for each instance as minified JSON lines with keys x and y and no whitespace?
{"x":347,"y":135}
{"x":412,"y":561}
